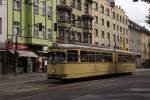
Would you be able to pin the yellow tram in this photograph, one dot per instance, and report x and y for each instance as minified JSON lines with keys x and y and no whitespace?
{"x":68,"y":61}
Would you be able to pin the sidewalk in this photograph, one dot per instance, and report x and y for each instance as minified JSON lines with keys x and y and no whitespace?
{"x":24,"y":75}
{"x":139,"y":70}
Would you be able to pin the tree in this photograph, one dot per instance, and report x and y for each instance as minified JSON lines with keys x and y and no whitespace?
{"x":148,"y":17}
{"x":148,"y":1}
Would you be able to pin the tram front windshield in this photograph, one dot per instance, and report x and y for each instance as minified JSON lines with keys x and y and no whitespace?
{"x":56,"y":57}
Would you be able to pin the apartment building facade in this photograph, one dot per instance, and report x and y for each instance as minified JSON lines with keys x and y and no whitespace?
{"x":92,"y":22}
{"x":27,"y":32}
{"x":110,"y":25}
{"x":145,"y":48}
{"x":3,"y":30}
{"x":74,"y":19}
{"x":135,"y":43}
{"x":139,"y":39}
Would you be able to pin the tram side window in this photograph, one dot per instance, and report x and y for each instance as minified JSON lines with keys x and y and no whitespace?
{"x":72,"y":56}
{"x":84,"y":56}
{"x":103,"y":57}
{"x":99,"y":57}
{"x":132,"y":59}
{"x":56,"y":57}
{"x":125,"y":58}
{"x":91,"y":56}
{"x":109,"y":58}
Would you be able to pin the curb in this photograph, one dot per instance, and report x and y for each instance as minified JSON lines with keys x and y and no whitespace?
{"x":27,"y":75}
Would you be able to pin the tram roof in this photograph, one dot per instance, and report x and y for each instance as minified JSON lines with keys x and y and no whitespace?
{"x":72,"y":46}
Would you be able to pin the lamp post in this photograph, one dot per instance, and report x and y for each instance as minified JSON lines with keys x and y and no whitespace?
{"x":16,"y":53}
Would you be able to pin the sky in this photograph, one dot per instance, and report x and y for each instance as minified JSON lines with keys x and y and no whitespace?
{"x":136,"y":11}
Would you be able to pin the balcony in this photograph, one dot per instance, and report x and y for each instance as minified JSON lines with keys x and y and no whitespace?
{"x":87,"y":16}
{"x":64,"y":7}
{"x":86,"y":30}
{"x":64,"y":24}
{"x":91,"y":1}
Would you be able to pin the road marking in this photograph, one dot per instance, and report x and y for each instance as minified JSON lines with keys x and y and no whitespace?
{"x":140,"y":89}
{"x":17,"y":91}
{"x":20,"y":82}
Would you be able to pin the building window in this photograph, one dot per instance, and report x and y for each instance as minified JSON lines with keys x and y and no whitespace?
{"x":63,"y":1}
{"x":123,"y":20}
{"x":126,"y":22}
{"x":64,"y":16}
{"x":72,"y":3}
{"x":16,"y":28}
{"x":117,"y":17}
{"x":127,"y":41}
{"x":36,"y":6}
{"x":72,"y":36}
{"x":118,"y":28}
{"x":49,"y":12}
{"x":114,"y":38}
{"x":96,"y":6}
{"x":73,"y":22}
{"x":79,"y":37}
{"x":86,"y":9}
{"x":36,"y":30}
{"x":126,"y":31}
{"x":0,"y":25}
{"x":43,"y":8}
{"x":49,"y":33}
{"x":107,"y":12}
{"x":87,"y":24}
{"x":114,"y":26}
{"x":102,"y":21}
{"x":120,"y":19}
{"x":96,"y":32}
{"x":42,"y":33}
{"x":113,"y":15}
{"x":0,"y":2}
{"x":108,"y":36}
{"x":17,"y":4}
{"x":118,"y":38}
{"x":103,"y":35}
{"x":102,"y":9}
{"x":96,"y":19}
{"x":108,"y":24}
{"x":79,"y":4}
{"x":79,"y":22}
{"x":123,"y":30}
